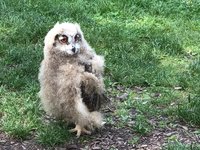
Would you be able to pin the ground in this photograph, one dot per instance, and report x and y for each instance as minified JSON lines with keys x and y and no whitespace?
{"x":112,"y":136}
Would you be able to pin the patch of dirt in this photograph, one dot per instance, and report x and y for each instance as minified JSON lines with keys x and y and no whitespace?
{"x":107,"y":138}
{"x":160,"y":137}
{"x":111,"y":138}
{"x":9,"y":143}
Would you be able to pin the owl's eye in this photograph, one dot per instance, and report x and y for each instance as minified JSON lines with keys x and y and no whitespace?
{"x":64,"y":39}
{"x":77,"y":37}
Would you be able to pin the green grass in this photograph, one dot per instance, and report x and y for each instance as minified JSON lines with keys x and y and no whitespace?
{"x":180,"y":146}
{"x":151,"y":103}
{"x":53,"y":134}
{"x":20,"y":111}
{"x":145,"y":43}
{"x":190,"y":110}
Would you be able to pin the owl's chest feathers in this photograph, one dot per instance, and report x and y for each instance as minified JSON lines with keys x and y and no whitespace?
{"x":55,"y":62}
{"x":58,"y":68}
{"x":59,"y":74}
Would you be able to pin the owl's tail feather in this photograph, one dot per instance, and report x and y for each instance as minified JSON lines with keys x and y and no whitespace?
{"x":96,"y":119}
{"x":88,"y":119}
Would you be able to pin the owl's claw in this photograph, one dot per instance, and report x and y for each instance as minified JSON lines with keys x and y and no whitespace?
{"x":79,"y":130}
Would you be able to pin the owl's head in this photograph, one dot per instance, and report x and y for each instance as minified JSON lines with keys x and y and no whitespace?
{"x":65,"y":37}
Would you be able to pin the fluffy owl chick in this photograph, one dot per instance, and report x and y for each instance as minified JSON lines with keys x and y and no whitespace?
{"x":71,"y":78}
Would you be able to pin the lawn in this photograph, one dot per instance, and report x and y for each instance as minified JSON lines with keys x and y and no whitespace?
{"x":152,"y":54}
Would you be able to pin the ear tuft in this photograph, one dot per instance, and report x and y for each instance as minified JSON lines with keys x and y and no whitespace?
{"x":79,"y":30}
{"x":56,"y":24}
{"x":77,"y":26}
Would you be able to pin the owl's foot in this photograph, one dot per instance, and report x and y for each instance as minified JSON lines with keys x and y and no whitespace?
{"x":79,"y":130}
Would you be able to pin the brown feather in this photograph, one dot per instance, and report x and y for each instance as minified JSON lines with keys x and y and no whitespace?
{"x":93,"y":100}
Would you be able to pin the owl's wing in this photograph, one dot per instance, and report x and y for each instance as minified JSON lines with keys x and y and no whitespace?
{"x":93,"y":100}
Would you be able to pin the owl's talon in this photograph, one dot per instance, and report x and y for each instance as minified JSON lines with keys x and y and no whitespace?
{"x":79,"y":130}
{"x":86,"y":131}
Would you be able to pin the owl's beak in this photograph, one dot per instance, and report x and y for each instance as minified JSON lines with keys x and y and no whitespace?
{"x":74,"y":50}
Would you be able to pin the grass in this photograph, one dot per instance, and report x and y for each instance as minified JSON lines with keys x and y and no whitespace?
{"x":180,"y":146}
{"x":153,"y":44}
{"x":151,"y":103}
{"x":53,"y":134}
{"x":190,"y":111}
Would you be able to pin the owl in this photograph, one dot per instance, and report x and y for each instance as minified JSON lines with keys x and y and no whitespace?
{"x":71,"y":79}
